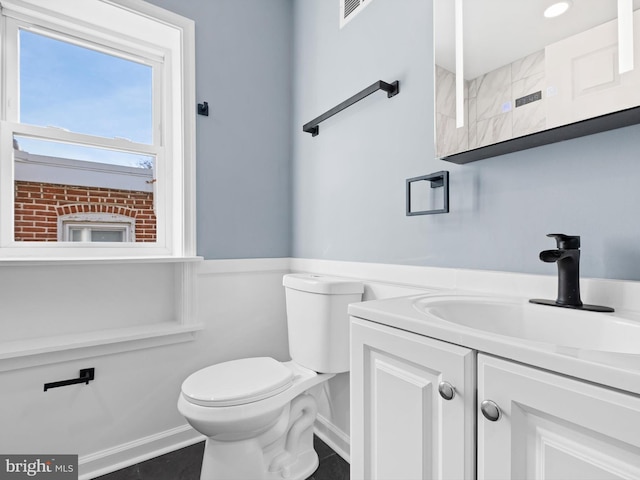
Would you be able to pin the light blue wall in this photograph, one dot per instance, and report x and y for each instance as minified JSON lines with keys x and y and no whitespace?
{"x":349,"y":182}
{"x":243,"y":55}
{"x":342,"y":195}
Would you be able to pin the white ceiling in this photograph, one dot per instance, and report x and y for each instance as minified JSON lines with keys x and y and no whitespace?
{"x":497,"y":32}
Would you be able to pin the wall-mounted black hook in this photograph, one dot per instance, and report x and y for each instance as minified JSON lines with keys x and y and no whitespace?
{"x":203,"y":109}
{"x":86,"y":375}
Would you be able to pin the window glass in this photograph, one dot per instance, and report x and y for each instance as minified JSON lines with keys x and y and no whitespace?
{"x":102,"y":233}
{"x":53,"y":180}
{"x":107,"y":235}
{"x":83,"y":90}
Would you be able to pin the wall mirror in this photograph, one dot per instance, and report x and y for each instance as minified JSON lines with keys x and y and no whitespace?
{"x":507,"y":77}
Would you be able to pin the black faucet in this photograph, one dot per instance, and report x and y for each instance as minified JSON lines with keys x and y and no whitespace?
{"x":567,"y":256}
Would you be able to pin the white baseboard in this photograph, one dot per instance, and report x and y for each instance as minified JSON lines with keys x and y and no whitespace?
{"x":127,"y":454}
{"x":333,"y":436}
{"x":146,"y":448}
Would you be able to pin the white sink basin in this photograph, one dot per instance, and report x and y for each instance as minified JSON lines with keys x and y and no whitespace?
{"x":605,"y":332}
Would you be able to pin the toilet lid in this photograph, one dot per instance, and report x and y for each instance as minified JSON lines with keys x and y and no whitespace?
{"x":237,"y":382}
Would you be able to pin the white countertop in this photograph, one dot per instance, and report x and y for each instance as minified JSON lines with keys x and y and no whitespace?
{"x":617,"y":370}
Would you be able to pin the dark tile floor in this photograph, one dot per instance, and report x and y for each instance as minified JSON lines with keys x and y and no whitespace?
{"x":184,"y":464}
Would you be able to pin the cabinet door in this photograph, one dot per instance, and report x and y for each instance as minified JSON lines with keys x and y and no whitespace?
{"x":582,"y":75}
{"x":554,"y":427}
{"x":401,"y":428}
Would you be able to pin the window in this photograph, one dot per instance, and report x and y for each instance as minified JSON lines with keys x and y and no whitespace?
{"x":96,"y":227}
{"x":97,"y":130}
{"x":105,"y":232}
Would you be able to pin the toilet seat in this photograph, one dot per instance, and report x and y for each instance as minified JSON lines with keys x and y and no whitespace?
{"x":237,"y":382}
{"x":248,"y":420}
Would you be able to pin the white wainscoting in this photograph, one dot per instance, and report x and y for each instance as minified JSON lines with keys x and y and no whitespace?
{"x":57,"y":312}
{"x":128,"y":414}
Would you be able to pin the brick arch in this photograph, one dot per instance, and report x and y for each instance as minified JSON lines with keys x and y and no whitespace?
{"x":95,"y":208}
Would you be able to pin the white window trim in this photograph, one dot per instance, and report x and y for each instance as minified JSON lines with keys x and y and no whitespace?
{"x":176,"y":195}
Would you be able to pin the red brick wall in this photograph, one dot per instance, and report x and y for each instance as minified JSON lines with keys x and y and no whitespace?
{"x":38,"y":206}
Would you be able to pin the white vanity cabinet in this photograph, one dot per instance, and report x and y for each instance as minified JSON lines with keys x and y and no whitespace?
{"x":402,"y":427}
{"x":527,"y":423}
{"x":554,"y":427}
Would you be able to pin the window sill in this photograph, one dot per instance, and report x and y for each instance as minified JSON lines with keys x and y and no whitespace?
{"x":39,"y":351}
{"x":6,"y":262}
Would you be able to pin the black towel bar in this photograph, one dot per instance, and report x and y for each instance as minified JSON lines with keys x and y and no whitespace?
{"x":86,"y":375}
{"x":392,"y":90}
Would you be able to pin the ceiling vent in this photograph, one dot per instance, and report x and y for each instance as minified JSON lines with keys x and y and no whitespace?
{"x":350,"y":8}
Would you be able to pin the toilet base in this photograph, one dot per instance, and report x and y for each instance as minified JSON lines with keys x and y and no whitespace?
{"x":284,"y":452}
{"x":306,"y":463}
{"x":218,"y":463}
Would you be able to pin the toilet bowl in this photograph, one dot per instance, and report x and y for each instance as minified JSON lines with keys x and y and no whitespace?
{"x":255,"y":412}
{"x":250,"y":430}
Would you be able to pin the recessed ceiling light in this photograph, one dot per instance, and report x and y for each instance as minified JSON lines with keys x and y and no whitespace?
{"x":557,"y":9}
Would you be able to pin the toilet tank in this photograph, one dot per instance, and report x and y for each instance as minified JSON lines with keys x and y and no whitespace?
{"x":318,"y":321}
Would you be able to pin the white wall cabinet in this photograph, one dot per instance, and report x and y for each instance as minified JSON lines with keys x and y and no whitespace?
{"x":554,"y":427}
{"x":401,"y":427}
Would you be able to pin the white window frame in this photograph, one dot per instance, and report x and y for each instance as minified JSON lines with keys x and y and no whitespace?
{"x":131,"y":29}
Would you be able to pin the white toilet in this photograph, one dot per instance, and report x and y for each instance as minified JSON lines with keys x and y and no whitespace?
{"x":254,"y":411}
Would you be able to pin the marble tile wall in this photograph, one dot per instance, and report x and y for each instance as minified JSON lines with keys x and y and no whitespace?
{"x":491,"y":114}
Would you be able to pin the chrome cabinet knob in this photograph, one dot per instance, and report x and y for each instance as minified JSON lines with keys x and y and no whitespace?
{"x":490,"y":410}
{"x":447,"y":391}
